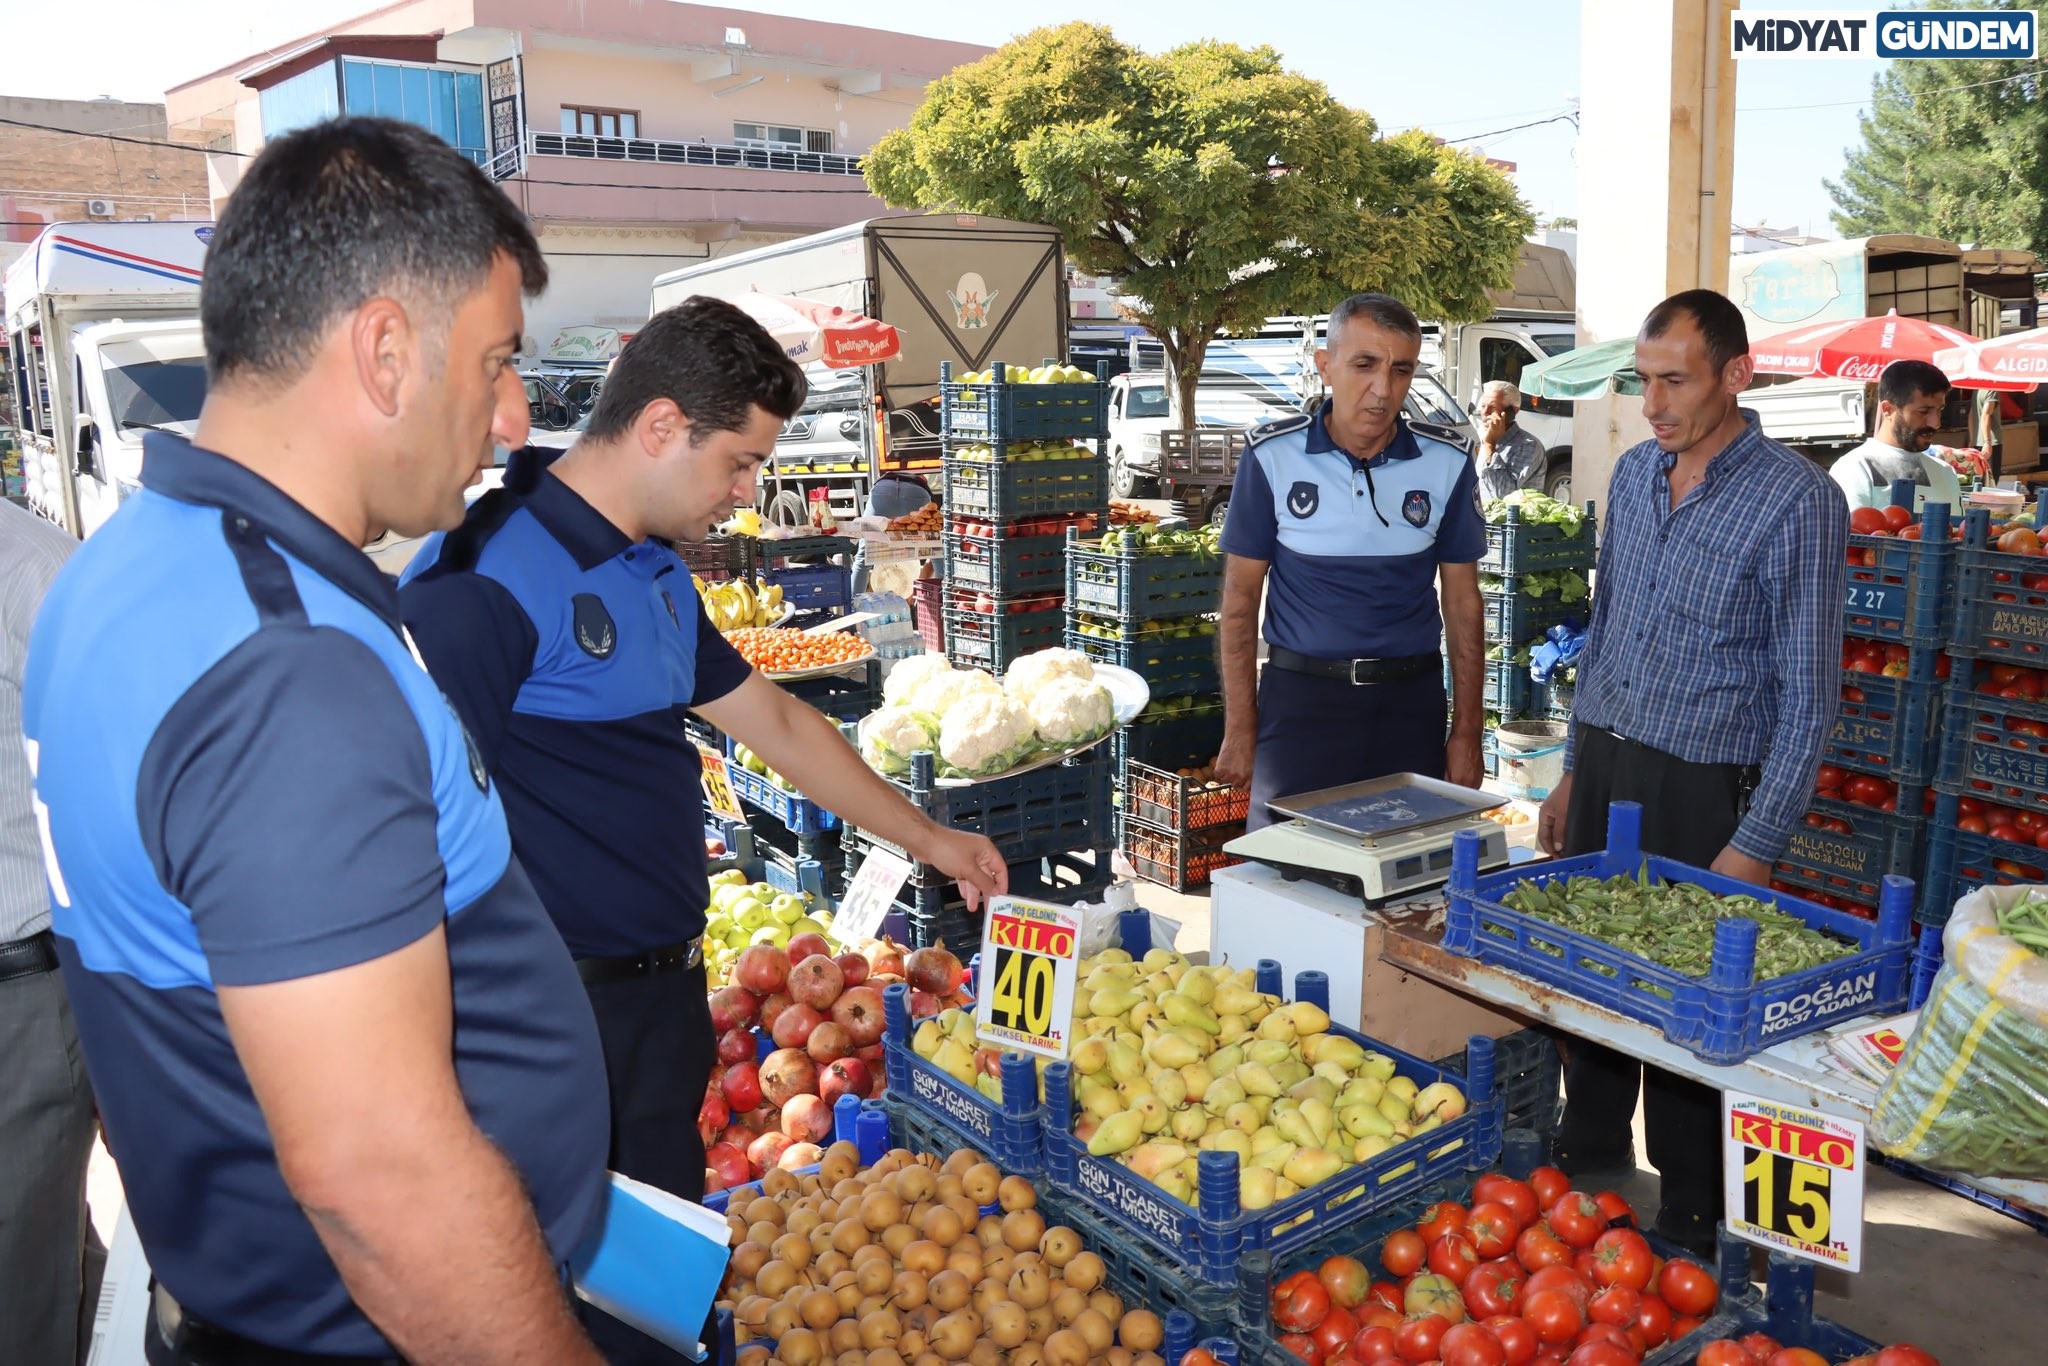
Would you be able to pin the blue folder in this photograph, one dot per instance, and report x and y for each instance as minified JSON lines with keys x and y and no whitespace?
{"x":654,"y":1262}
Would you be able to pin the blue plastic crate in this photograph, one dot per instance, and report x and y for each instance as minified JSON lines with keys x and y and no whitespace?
{"x":2001,"y":600}
{"x":1989,"y":749}
{"x":1134,"y":586}
{"x":1528,"y":1073}
{"x":1000,"y":562}
{"x":935,"y":915}
{"x":1007,"y":1131}
{"x":1723,"y":1017}
{"x":798,"y":814}
{"x":1210,"y":1237}
{"x":1518,"y":547}
{"x":1049,"y":810}
{"x":1785,"y":1312}
{"x":1003,"y":412}
{"x":1854,"y":864}
{"x":1901,"y":590}
{"x":1005,"y":490}
{"x":1960,"y":861}
{"x":995,"y":640}
{"x":1514,"y":618}
{"x":1976,"y":1195}
{"x":844,"y":696}
{"x":1171,"y":666}
{"x":1187,"y":739}
{"x":1886,"y":726}
{"x":812,"y":587}
{"x":1926,"y":964}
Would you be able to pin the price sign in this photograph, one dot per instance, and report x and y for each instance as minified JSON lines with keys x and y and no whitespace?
{"x":869,"y":894}
{"x":718,"y":793}
{"x":1793,"y":1179}
{"x":1030,"y":959}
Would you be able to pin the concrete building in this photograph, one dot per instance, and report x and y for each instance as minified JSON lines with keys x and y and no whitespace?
{"x":52,"y":173}
{"x":638,"y":134}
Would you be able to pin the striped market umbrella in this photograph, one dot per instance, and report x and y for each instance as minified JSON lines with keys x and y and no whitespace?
{"x":2015,"y":363}
{"x":1854,"y":348}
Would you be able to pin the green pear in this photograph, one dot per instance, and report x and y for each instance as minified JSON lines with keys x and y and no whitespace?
{"x":1224,"y":1059}
{"x":1362,"y":1090}
{"x":1134,"y":1088}
{"x":956,"y":1060}
{"x":1153,"y":1116}
{"x":1308,"y":1166}
{"x":1156,"y":985}
{"x":1183,"y":1010}
{"x":1144,"y":1013}
{"x":1275,"y":1158}
{"x":1196,"y":1078}
{"x":1156,"y":959}
{"x":1232,"y":1029}
{"x":1198,"y":986}
{"x":1114,"y":999}
{"x":1113,"y":956}
{"x":1102,"y":1102}
{"x":1269,"y":1052}
{"x":1084,"y":1004}
{"x":1371,"y":1146}
{"x":1177,"y":1184}
{"x":1337,"y":1050}
{"x":1404,"y":1087}
{"x":1223,"y":1093}
{"x":1232,"y":999}
{"x":1244,"y":1117}
{"x":1322,"y":1120}
{"x":1440,"y":1100}
{"x":1125,"y":1062}
{"x":1332,"y":1073}
{"x":991,"y":1087}
{"x":927,"y":1039}
{"x":1171,"y":1088}
{"x":1314,"y":1088}
{"x":1229,"y":1141}
{"x":1289,"y":1071}
{"x":1255,"y":1187}
{"x":1395,"y":1109}
{"x":1307,"y":1017}
{"x":1171,"y":1050}
{"x":1118,"y":1133}
{"x":1292,"y":1125}
{"x":1256,"y":1080}
{"x":1359,"y":1121}
{"x":1377,"y":1065}
{"x":1189,"y":1125}
{"x":1278,"y":1026}
{"x":1090,"y":1056}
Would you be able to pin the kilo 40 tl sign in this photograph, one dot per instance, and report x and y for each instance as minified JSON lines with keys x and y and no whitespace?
{"x":1030,"y":958}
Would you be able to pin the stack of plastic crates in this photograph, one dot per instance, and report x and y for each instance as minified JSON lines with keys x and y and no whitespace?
{"x":1022,"y":464}
{"x":1533,"y":576}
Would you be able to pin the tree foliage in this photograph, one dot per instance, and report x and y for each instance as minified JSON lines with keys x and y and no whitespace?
{"x":1215,"y":187}
{"x":1952,"y":149}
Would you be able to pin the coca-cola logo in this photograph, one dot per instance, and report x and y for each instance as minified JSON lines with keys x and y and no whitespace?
{"x":1860,"y":369}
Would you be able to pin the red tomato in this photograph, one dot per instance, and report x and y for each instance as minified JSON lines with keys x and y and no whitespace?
{"x":1494,"y":1288}
{"x":1602,"y":1354}
{"x":1497,"y":1188}
{"x":1439,"y":1219}
{"x":1724,"y":1352}
{"x":1418,"y":1339}
{"x":1560,"y":1278}
{"x":1373,"y":1314}
{"x":1403,"y":1252}
{"x":1386,"y":1293}
{"x":1796,"y":1356}
{"x":1538,"y":1247}
{"x":1576,"y":1220}
{"x":1471,"y":1344}
{"x":1897,"y":518}
{"x":1831,"y":776}
{"x":1452,"y":1257}
{"x":1684,"y":1324}
{"x":1582,"y":1262}
{"x":1347,"y":1280}
{"x":1974,"y":824}
{"x":1304,"y":1348}
{"x":1688,"y":1288}
{"x":1605,"y":1332}
{"x":1517,"y":1338}
{"x":1618,"y":1212}
{"x":1760,"y":1346}
{"x":1653,"y":1318}
{"x":1621,"y":1256}
{"x":2010,"y":834}
{"x":1433,"y":1294}
{"x":1867,"y":522}
{"x":1617,"y":1304}
{"x":1905,"y":1354}
{"x":1375,"y":1344}
{"x":1550,"y":1184}
{"x":1554,"y":1315}
{"x":1300,"y":1303}
{"x":1493,"y":1229}
{"x":1336,"y":1330}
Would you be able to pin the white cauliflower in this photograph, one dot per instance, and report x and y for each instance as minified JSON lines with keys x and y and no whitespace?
{"x":938,"y":693}
{"x":893,"y":734}
{"x":906,"y":676}
{"x":986,"y":733}
{"x":1040,"y":667}
{"x":1069,"y":711}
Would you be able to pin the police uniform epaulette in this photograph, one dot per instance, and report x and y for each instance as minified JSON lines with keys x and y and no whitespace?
{"x":1278,"y":426}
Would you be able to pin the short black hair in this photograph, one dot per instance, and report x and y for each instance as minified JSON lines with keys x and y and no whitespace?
{"x":1715,"y":314}
{"x":333,"y":215}
{"x":1906,"y":380}
{"x":711,"y":359}
{"x":1382,"y":310}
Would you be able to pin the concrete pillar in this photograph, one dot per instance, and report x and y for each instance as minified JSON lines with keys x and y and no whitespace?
{"x":1656,"y":160}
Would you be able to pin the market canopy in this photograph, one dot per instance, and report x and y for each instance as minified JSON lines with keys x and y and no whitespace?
{"x":1853,"y":348}
{"x":1585,"y":372}
{"x":810,"y":331}
{"x":2015,"y":363}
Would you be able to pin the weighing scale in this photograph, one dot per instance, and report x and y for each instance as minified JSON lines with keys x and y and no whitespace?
{"x":1380,"y":840}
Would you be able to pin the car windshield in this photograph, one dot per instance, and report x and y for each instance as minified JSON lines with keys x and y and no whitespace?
{"x":160,"y":394}
{"x":1555,"y":343}
{"x":1146,"y":400}
{"x":1433,"y":402}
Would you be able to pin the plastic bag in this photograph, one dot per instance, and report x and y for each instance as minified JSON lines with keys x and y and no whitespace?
{"x":1970,"y":1094}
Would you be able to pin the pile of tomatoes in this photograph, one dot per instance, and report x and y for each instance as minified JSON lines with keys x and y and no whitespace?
{"x":1530,"y":1271}
{"x":774,"y":650}
{"x":1836,"y":784}
{"x":1898,"y":523}
{"x":1761,"y":1349}
{"x":1885,"y":657}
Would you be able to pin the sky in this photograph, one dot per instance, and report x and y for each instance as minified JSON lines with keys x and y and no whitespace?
{"x":1463,"y":69}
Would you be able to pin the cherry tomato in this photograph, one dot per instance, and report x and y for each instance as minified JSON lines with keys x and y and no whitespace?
{"x":1621,"y":1256}
{"x":1554,"y":1315}
{"x":1452,"y":1257}
{"x":1538,"y":1247}
{"x":1439,"y":1219}
{"x":1336,"y":1330}
{"x":1419,"y":1338}
{"x":1653,"y":1317}
{"x":1517,"y":1338}
{"x":1494,"y":1288}
{"x":1403,"y":1253}
{"x":1688,"y":1288}
{"x":1300,"y":1303}
{"x":1550,"y":1184}
{"x":1493,"y":1229}
{"x":1471,"y":1344}
{"x":1505,"y":1190}
{"x":1576,"y":1220}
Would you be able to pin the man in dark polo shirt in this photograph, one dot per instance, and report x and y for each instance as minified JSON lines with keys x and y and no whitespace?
{"x":569,"y":638}
{"x":342,"y":1059}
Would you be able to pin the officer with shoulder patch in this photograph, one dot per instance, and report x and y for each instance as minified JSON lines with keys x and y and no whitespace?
{"x":1354,"y":528}
{"x":569,"y":637}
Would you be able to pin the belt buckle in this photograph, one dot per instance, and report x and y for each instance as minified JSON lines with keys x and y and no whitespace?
{"x":695,"y":954}
{"x":1356,"y":681}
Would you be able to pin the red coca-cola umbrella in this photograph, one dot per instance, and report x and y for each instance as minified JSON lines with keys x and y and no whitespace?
{"x":2015,"y":363}
{"x":809,"y":331}
{"x":1853,"y":348}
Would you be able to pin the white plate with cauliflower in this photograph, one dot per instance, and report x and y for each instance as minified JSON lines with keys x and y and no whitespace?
{"x":1050,"y":705}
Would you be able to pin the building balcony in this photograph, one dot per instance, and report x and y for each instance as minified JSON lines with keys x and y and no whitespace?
{"x":698,"y":153}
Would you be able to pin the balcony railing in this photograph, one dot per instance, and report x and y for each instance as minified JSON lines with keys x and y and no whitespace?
{"x":692,"y":154}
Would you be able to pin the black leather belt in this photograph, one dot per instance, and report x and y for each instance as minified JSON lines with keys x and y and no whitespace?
{"x":1358,"y":672}
{"x":674,"y":958}
{"x":178,"y":1339}
{"x":27,"y":957}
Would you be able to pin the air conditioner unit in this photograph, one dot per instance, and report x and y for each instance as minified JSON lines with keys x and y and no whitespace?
{"x":99,"y":208}
{"x":143,"y":218}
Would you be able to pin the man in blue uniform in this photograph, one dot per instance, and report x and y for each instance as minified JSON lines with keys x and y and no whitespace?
{"x":342,"y":1058}
{"x":569,"y":638}
{"x":1354,"y":528}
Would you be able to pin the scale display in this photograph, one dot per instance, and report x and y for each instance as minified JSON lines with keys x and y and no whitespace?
{"x":1397,"y":803}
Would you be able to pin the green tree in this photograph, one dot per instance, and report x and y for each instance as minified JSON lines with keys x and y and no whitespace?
{"x":1952,"y":149}
{"x":1215,"y":187}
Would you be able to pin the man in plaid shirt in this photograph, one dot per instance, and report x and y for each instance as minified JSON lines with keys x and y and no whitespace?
{"x":1706,"y":692}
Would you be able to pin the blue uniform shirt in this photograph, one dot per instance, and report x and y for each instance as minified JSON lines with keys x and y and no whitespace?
{"x":573,"y":654}
{"x":248,"y":779}
{"x":1353,"y":545}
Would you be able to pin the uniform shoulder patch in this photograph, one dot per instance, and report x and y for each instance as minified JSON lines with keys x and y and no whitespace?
{"x":596,"y":636}
{"x":1278,"y":426}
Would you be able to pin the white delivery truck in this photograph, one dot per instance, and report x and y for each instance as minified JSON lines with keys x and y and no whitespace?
{"x":103,"y":334}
